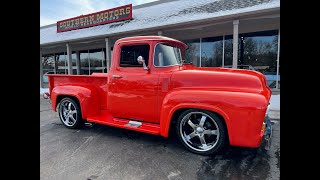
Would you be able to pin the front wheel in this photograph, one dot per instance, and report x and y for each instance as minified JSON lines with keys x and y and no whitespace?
{"x":70,"y":113}
{"x":201,"y":132}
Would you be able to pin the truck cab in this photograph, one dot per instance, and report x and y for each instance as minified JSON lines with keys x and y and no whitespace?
{"x":139,"y":87}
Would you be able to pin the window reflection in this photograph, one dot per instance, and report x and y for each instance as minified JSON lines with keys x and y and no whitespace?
{"x":228,"y":50}
{"x":61,"y":63}
{"x":91,"y":61}
{"x":259,"y":50}
{"x":48,"y":64}
{"x":84,"y":62}
{"x":74,"y":62}
{"x":96,"y":58}
{"x":192,"y":54}
{"x":212,"y":49}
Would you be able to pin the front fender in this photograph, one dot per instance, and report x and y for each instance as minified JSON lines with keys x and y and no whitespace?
{"x":87,"y":97}
{"x":243,"y":112}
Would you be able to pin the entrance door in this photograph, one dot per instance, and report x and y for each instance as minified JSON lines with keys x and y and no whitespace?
{"x":132,"y":89}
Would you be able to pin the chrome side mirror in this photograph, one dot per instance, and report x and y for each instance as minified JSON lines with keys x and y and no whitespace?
{"x":141,"y":60}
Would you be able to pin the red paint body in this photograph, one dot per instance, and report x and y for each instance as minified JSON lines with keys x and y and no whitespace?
{"x":240,"y":97}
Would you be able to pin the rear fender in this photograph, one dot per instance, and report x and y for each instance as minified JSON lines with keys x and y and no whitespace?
{"x":87,"y":97}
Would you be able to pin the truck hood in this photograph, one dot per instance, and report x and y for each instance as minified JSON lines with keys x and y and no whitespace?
{"x":220,"y":79}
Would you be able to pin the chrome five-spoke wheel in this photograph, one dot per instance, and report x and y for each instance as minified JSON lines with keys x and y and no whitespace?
{"x":69,"y":113}
{"x":201,"y":131}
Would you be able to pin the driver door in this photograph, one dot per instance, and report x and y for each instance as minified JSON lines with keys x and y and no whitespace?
{"x":132,"y":89}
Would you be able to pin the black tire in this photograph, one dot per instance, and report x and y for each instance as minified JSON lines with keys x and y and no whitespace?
{"x":214,"y":130}
{"x":75,"y":120}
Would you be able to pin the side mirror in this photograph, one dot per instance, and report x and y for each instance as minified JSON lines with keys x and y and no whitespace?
{"x":141,"y":60}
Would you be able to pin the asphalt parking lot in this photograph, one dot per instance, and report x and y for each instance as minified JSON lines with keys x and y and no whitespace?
{"x":102,"y":152}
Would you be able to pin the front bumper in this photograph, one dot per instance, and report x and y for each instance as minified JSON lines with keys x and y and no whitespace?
{"x":267,"y":132}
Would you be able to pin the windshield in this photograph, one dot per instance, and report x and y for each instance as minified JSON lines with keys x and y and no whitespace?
{"x":166,"y":55}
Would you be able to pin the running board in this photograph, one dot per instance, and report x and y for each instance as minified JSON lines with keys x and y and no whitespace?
{"x":105,"y":118}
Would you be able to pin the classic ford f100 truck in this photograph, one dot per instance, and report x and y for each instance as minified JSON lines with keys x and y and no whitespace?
{"x":149,"y":89}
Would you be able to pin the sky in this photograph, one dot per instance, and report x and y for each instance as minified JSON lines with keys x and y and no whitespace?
{"x":52,"y":11}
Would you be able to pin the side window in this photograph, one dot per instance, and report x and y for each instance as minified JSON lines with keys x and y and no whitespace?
{"x":129,"y":55}
{"x":166,"y":55}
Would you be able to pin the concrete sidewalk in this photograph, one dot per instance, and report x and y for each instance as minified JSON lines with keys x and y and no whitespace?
{"x":274,"y":115}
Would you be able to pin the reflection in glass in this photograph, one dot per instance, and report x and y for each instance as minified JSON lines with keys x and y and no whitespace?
{"x":61,"y":63}
{"x":212,"y":49}
{"x":48,"y":63}
{"x":192,"y":54}
{"x":84,"y":62}
{"x":228,"y":50}
{"x":166,"y":55}
{"x":259,"y":50}
{"x":74,"y":62}
{"x":95,"y":59}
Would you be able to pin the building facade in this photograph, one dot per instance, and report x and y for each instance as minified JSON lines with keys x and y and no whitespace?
{"x":220,"y":33}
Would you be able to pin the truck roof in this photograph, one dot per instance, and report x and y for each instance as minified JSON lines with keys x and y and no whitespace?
{"x":151,"y":38}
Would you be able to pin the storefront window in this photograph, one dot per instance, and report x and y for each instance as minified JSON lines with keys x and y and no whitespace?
{"x":74,"y":62}
{"x":212,"y":49}
{"x":258,"y":51}
{"x":192,"y":54}
{"x":48,"y":63}
{"x":91,"y":61}
{"x":96,"y":58}
{"x":84,"y":62}
{"x":61,"y":63}
{"x":228,"y":50}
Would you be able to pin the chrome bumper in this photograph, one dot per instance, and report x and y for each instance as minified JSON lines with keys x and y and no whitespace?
{"x":268,"y":129}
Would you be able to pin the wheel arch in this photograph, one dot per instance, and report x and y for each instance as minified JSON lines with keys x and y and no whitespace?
{"x":62,"y":96}
{"x":169,"y":122}
{"x":86,"y":98}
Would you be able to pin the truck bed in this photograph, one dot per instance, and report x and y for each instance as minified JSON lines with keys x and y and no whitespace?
{"x":97,"y":81}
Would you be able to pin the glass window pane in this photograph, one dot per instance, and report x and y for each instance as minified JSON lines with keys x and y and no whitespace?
{"x":211,"y":55}
{"x":95,"y":58}
{"x":48,"y":62}
{"x":61,"y":63}
{"x":228,"y":51}
{"x":129,"y":55}
{"x":166,"y":55}
{"x":192,"y":54}
{"x":84,"y":62}
{"x":260,"y":53}
{"x":104,"y":63}
{"x":74,"y":62}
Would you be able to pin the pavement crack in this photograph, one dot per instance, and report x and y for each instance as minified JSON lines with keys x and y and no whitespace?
{"x":85,"y":142}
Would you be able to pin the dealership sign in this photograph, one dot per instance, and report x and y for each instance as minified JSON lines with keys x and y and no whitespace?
{"x":103,"y":17}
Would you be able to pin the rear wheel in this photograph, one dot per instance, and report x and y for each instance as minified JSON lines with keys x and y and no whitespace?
{"x":70,"y":113}
{"x":201,"y":131}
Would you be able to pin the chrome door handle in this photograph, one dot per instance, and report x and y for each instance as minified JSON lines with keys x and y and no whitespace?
{"x":116,"y":76}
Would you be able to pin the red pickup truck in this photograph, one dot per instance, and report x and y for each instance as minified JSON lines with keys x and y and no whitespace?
{"x":149,"y":89}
